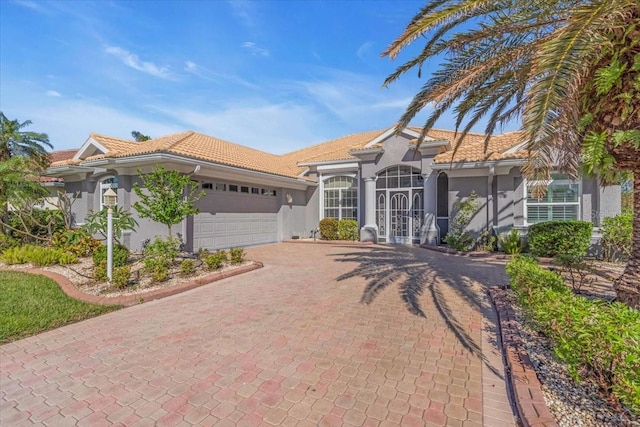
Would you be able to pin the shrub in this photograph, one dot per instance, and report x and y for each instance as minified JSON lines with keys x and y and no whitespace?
{"x":223,"y":255}
{"x":575,"y":269}
{"x":100,"y":272}
{"x":458,"y":237}
{"x":236,"y":255}
{"x":78,"y":241}
{"x":36,"y":226}
{"x":329,"y":229}
{"x":348,"y":230}
{"x":7,"y":242}
{"x":588,"y":335}
{"x":214,"y":261}
{"x":40,"y":256}
{"x":120,"y":277}
{"x":167,"y":248}
{"x":511,"y":243}
{"x":187,"y":268}
{"x":157,"y":267}
{"x":120,"y":255}
{"x":547,"y":239}
{"x":616,"y":236}
{"x":486,"y":242}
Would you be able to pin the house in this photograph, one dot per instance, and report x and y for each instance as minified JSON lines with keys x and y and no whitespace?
{"x":398,"y":193}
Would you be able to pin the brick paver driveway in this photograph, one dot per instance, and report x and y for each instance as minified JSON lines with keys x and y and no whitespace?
{"x":322,"y":335}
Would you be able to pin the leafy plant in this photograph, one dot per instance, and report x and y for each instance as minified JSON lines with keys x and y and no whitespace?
{"x":570,"y":237}
{"x":348,"y":230}
{"x":511,"y":243}
{"x":120,"y":255}
{"x":7,"y":242}
{"x":160,"y":247}
{"x":77,"y":241}
{"x":591,"y":336}
{"x":169,"y":197}
{"x":187,"y":268}
{"x":157,"y":267}
{"x":576,"y":269}
{"x":329,"y":229}
{"x":236,"y":255}
{"x":486,"y":242}
{"x":96,"y":222}
{"x":215,"y":261}
{"x":120,"y":277}
{"x":458,"y":237}
{"x":100,"y":272}
{"x":616,"y":236}
{"x":40,"y":256}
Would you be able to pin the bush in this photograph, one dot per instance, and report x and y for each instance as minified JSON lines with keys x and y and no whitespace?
{"x":486,"y":242}
{"x":591,"y":336}
{"x":78,"y":241}
{"x":120,"y":277}
{"x":223,"y":255}
{"x":329,"y":229}
{"x":39,"y":225}
{"x":348,"y":230}
{"x":547,"y":239}
{"x":458,"y":237}
{"x":215,"y":261}
{"x":120,"y":255}
{"x":39,"y":256}
{"x":511,"y":243}
{"x":157,"y":267}
{"x":187,"y":268}
{"x":236,"y":255}
{"x":169,"y":248}
{"x":7,"y":242}
{"x":616,"y":236}
{"x":100,"y":272}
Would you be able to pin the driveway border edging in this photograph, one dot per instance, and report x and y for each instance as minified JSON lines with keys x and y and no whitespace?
{"x":128,"y":300}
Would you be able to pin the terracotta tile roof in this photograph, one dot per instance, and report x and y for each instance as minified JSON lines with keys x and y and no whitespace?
{"x":62,"y":155}
{"x":335,"y":149}
{"x":199,"y":146}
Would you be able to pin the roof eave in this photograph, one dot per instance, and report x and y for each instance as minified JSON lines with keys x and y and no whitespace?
{"x":477,"y":165}
{"x":327,"y":162}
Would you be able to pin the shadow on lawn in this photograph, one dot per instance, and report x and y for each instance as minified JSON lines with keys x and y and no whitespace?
{"x":447,"y":281}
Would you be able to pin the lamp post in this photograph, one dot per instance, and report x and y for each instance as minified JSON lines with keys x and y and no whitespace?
{"x":109,"y":199}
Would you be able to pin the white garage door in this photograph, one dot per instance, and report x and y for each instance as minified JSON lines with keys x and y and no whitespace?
{"x":228,"y":230}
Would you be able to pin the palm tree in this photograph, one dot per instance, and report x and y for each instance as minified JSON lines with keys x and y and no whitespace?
{"x":14,"y":142}
{"x":569,"y":70}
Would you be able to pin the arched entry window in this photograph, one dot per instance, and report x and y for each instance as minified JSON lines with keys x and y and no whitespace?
{"x":105,"y":184}
{"x":399,"y":204}
{"x":341,"y":197}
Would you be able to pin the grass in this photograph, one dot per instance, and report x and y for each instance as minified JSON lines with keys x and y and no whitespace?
{"x":30,"y":304}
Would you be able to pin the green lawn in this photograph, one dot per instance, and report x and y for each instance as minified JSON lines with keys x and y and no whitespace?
{"x":30,"y":304}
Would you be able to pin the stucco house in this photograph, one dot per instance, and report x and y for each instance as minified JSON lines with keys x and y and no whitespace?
{"x":397,"y":193}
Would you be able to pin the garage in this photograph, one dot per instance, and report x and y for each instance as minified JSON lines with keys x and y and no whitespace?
{"x":228,"y":230}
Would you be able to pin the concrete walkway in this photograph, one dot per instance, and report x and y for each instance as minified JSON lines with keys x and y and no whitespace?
{"x":322,"y":335}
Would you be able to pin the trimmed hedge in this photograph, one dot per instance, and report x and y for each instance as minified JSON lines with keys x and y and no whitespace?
{"x":329,"y":229}
{"x":571,"y":237}
{"x":591,"y":336}
{"x":348,"y":230}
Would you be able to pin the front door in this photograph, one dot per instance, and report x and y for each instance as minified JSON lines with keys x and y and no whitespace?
{"x":399,"y":215}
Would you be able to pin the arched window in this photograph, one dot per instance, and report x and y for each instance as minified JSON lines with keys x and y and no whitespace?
{"x":341,"y":197}
{"x":105,"y":184}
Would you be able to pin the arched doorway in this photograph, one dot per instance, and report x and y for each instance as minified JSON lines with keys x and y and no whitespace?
{"x":399,"y":204}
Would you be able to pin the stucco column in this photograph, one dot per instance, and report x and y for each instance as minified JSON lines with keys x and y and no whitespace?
{"x":369,"y":232}
{"x":429,"y":234}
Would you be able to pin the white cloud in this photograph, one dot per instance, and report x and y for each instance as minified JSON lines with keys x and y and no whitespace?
{"x":255,"y":50}
{"x":204,"y":73}
{"x":244,"y":11}
{"x":132,"y":60}
{"x":53,"y":93}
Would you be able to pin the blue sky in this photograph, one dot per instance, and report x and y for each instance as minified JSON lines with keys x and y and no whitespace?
{"x":273,"y":75}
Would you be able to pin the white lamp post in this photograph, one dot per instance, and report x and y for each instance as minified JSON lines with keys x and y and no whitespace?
{"x":109,"y":199}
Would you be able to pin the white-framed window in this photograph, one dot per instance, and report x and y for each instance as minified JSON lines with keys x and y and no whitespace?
{"x":561,"y":201}
{"x":340,"y":197}
{"x":105,"y":184}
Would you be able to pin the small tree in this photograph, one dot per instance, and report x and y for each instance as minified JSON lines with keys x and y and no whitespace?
{"x":139,"y":136}
{"x":170,"y":199}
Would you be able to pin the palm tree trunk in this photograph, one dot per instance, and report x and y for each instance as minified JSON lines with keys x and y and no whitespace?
{"x":627,"y":286}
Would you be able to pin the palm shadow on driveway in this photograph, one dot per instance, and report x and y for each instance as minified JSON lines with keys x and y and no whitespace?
{"x":420,"y":275}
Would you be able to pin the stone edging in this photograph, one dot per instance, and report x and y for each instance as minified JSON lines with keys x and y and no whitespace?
{"x":128,"y":300}
{"x":524,"y":383}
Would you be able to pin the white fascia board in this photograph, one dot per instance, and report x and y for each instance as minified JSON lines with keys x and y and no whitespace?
{"x":339,"y":166}
{"x":325,"y":162}
{"x":386,"y":134}
{"x":156,"y":158}
{"x":67,"y":170}
{"x":90,"y":142}
{"x":426,"y":144}
{"x":476,"y":165}
{"x":52,"y":184}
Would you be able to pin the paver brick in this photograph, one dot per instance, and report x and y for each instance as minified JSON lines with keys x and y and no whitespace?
{"x":289,"y":344}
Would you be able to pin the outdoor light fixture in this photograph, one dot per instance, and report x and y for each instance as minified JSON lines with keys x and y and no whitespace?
{"x":109,"y":199}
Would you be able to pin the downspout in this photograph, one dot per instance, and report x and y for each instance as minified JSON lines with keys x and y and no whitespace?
{"x":492,"y":172}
